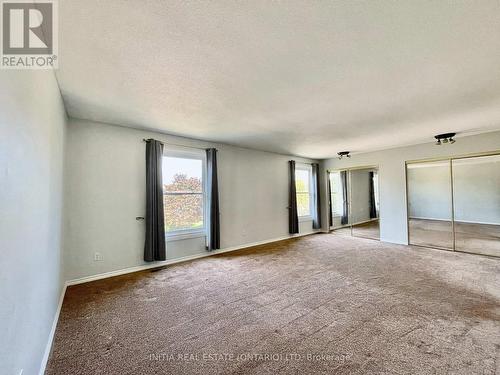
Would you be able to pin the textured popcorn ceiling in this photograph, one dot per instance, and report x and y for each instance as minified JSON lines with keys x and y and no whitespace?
{"x":309,"y":78}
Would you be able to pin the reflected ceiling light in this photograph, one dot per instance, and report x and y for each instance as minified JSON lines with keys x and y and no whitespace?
{"x":445,"y":138}
{"x":341,"y":154}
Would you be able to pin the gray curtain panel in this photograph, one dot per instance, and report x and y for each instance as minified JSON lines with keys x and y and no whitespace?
{"x":293,"y":218}
{"x":345,"y":209}
{"x":154,"y":247}
{"x":213,"y":233}
{"x":373,"y":208}
{"x":330,"y":203}
{"x":316,"y":214}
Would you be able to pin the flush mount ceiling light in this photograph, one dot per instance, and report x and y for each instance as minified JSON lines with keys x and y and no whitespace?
{"x":341,"y":154}
{"x":445,"y":138}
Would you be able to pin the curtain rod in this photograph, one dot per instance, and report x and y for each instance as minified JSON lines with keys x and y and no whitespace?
{"x":299,"y":162}
{"x":178,"y":145}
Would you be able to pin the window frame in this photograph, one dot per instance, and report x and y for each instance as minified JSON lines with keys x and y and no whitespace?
{"x":182,"y":234}
{"x":308,"y":168}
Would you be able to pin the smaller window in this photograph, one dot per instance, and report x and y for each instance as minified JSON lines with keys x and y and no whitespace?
{"x":303,"y":190}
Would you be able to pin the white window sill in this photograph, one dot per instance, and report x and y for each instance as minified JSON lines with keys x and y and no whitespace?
{"x":185,"y":235}
{"x":305,"y":218}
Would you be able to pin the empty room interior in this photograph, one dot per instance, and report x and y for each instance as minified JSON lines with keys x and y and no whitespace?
{"x":250,"y":187}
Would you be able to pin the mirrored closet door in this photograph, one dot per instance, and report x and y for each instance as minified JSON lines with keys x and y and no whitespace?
{"x":354,"y":202}
{"x":365,"y":203}
{"x":338,"y":186}
{"x":429,"y":204}
{"x":476,"y":204}
{"x":454,"y":204}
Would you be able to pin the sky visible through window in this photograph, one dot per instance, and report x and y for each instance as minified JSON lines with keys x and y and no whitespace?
{"x":172,"y":166}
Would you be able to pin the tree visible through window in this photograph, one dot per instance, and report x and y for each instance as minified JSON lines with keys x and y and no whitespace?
{"x":302,"y":177}
{"x":183,"y":193}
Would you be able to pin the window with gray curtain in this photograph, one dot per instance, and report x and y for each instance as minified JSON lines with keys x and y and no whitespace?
{"x":213,"y":232}
{"x":373,"y":208}
{"x":345,"y":201}
{"x":293,"y":218}
{"x":316,"y":205}
{"x":330,"y":200}
{"x":154,"y":246}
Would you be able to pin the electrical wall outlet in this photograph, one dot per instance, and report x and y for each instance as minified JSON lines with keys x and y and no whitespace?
{"x":97,"y":257}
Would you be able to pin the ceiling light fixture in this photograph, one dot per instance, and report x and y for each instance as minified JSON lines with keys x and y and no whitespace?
{"x":445,"y":138}
{"x":341,"y":154}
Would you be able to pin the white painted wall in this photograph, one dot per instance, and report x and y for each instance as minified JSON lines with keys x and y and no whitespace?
{"x":106,"y":191}
{"x":32,"y":132}
{"x":391,"y":163}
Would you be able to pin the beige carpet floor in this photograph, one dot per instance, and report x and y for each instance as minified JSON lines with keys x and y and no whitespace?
{"x":322,"y":304}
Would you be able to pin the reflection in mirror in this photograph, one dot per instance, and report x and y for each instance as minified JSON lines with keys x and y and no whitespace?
{"x":476,"y":202}
{"x":430,"y":204}
{"x":365,"y":203}
{"x":339,"y":204}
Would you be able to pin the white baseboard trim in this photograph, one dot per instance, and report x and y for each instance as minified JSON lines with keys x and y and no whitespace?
{"x":48,"y":347}
{"x":143,"y":267}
